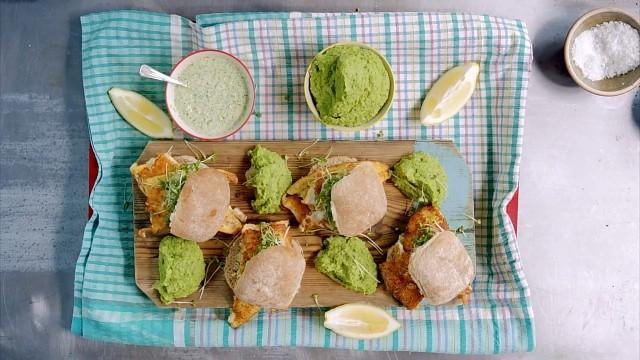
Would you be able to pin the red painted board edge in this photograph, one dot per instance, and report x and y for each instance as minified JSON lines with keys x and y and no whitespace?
{"x":512,"y":207}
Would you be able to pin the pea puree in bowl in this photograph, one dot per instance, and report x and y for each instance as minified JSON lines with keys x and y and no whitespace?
{"x":349,"y":86}
{"x":219,"y":97}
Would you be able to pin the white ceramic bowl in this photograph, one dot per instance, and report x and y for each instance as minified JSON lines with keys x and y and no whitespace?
{"x":170,"y":94}
{"x":607,"y":87}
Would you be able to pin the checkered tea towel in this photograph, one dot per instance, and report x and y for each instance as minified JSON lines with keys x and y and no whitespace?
{"x":277,"y":47}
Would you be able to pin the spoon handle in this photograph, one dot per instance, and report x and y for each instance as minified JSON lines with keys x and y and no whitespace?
{"x":151,"y":73}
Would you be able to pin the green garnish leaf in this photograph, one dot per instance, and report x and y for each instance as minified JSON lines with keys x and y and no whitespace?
{"x":323,"y":201}
{"x":268,"y":237}
{"x":174,"y":181}
{"x":426,"y":234}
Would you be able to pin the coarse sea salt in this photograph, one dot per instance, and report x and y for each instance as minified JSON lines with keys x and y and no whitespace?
{"x":607,"y":50}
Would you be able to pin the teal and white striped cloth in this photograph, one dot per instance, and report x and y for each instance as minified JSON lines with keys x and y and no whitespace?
{"x":277,"y":48}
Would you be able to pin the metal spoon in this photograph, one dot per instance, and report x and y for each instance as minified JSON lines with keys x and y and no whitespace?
{"x":151,"y":73}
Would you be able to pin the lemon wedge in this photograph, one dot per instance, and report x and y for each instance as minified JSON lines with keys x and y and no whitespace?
{"x":360,"y":321}
{"x":449,"y":94}
{"x":141,"y":113}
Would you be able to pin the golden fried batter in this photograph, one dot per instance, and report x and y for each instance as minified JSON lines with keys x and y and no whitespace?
{"x":150,"y":176}
{"x":241,"y":312}
{"x":395,"y":270}
{"x":397,"y":280}
{"x":427,"y":218}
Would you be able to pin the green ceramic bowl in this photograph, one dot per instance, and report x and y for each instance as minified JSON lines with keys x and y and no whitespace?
{"x":381,"y":114}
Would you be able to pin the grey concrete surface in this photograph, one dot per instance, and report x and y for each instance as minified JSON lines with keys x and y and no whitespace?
{"x":579,"y":202}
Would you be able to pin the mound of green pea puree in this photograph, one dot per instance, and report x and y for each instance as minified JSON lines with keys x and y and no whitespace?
{"x":349,"y":84}
{"x":347,"y":261}
{"x":270,"y":177}
{"x":181,"y":267}
{"x":421,"y":178}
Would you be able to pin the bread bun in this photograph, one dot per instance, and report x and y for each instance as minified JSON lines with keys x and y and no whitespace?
{"x":358,"y":200}
{"x":271,"y":278}
{"x":202,"y":205}
{"x":441,"y":268}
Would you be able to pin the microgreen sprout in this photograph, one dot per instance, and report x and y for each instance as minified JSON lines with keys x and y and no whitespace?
{"x":373,"y":243}
{"x":268,"y":237}
{"x":329,"y":152}
{"x":361,"y":267}
{"x":224,"y":243}
{"x":460,"y":230}
{"x":412,"y":207}
{"x":315,"y":300}
{"x":477,"y":221}
{"x":174,"y":181}
{"x":198,"y":155}
{"x":206,"y":271}
{"x":304,"y":150}
{"x":192,"y":302}
{"x":207,"y":159}
{"x":316,"y":160}
{"x":425,"y":234}
{"x":323,"y":200}
{"x":327,"y":231}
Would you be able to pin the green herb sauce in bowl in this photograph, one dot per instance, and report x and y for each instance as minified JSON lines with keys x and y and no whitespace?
{"x":219,"y":97}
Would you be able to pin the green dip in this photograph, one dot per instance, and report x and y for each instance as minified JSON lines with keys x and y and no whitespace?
{"x":349,"y":84}
{"x":181,"y":266}
{"x":270,"y":177}
{"x":216,"y":98}
{"x":421,"y":178}
{"x":347,"y":261}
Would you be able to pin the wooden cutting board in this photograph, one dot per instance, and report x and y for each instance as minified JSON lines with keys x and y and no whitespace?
{"x":231,"y":156}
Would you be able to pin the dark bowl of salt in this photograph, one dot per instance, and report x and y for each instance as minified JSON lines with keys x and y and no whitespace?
{"x":602,"y":52}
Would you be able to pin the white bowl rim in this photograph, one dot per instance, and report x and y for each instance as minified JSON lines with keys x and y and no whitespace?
{"x":178,"y":121}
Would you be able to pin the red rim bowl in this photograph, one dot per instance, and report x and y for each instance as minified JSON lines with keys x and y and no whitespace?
{"x":169,"y":95}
